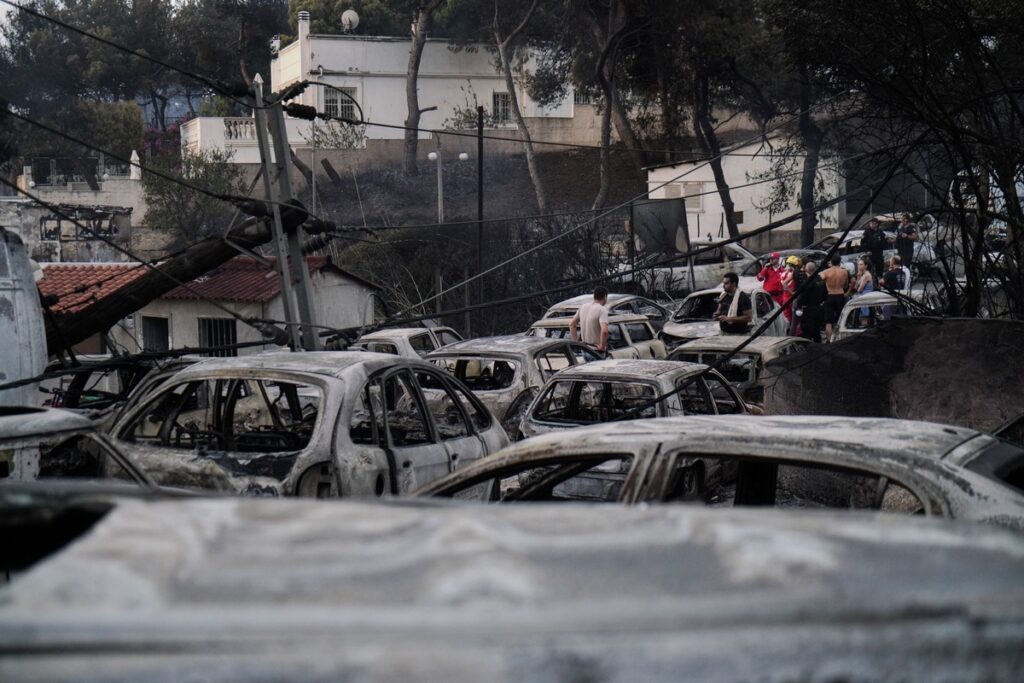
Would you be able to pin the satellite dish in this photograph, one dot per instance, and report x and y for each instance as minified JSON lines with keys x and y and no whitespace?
{"x":349,"y":20}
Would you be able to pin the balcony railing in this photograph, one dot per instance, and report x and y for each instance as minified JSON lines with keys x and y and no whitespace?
{"x":240,"y":129}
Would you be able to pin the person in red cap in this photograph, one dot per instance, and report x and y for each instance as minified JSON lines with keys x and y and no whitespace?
{"x":771,"y":276}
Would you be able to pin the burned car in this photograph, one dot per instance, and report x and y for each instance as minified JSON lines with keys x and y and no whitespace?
{"x":411,"y":342}
{"x":50,"y":443}
{"x":629,"y":335}
{"x":278,"y":590}
{"x":506,"y":372}
{"x":866,"y":311}
{"x":747,"y":371}
{"x":611,"y":390}
{"x":695,"y":317}
{"x":310,"y":424}
{"x":669,"y":273}
{"x":897,"y":466}
{"x":617,"y":304}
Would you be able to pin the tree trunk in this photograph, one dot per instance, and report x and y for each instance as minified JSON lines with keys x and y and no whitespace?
{"x":412,"y":98}
{"x":504,"y":45}
{"x":606,"y":139}
{"x":707,"y":138}
{"x":811,"y":136}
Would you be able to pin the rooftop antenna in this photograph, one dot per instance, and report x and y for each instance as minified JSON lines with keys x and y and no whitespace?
{"x":349,"y":20}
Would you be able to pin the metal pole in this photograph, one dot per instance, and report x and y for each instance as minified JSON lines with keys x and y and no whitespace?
{"x":440,"y":181}
{"x":299,"y":272}
{"x":280,"y":242}
{"x":479,"y":202}
{"x":312,"y":165}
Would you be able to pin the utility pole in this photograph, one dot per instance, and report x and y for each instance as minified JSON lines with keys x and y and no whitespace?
{"x":296,"y":290}
{"x":479,"y":202}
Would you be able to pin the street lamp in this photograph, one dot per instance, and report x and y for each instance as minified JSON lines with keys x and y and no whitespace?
{"x":436,"y":157}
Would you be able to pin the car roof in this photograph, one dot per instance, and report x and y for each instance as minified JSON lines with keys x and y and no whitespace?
{"x":577,"y":301}
{"x":197,"y":578}
{"x":22,"y":422}
{"x":394,"y":333}
{"x":326,"y":363}
{"x":628,"y":368}
{"x":612,"y":318}
{"x":872,"y":298}
{"x":720,"y":342}
{"x":778,"y":436}
{"x":747,"y":286}
{"x":512,"y":344}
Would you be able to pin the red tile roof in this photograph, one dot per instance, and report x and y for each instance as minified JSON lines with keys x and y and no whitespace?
{"x":241,"y":279}
{"x":78,"y":285}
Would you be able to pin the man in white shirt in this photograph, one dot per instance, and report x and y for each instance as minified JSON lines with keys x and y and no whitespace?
{"x":591,"y":321}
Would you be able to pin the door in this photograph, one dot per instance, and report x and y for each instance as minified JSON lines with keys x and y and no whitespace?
{"x":641,"y":337}
{"x":453,"y":424}
{"x":419,"y":458}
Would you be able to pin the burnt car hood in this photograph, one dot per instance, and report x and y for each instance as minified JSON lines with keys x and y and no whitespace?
{"x":262,"y":590}
{"x":692,"y":330}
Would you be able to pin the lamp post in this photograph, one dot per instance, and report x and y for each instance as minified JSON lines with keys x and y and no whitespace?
{"x":436,"y":156}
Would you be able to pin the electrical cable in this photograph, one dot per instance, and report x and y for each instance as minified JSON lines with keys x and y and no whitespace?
{"x":589,"y":221}
{"x":55,"y":209}
{"x":722,"y":360}
{"x":231,"y":91}
{"x":251,"y":206}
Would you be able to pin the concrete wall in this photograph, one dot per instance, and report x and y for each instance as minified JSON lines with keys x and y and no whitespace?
{"x":339,"y":302}
{"x":49,"y":237}
{"x":962,"y":372}
{"x":748,"y":165}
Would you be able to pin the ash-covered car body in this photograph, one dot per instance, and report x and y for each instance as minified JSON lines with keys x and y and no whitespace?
{"x":617,"y":304}
{"x":670,"y":273}
{"x":747,"y":371}
{"x":348,"y":423}
{"x":694,"y":318}
{"x":629,"y":335}
{"x":610,"y":390}
{"x":52,"y":443}
{"x":411,"y":342}
{"x":898,"y":466}
{"x":851,"y":248}
{"x":863,"y":312}
{"x":506,"y":372}
{"x":257,"y":590}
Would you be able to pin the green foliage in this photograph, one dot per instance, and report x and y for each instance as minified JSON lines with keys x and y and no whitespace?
{"x":183,"y":212}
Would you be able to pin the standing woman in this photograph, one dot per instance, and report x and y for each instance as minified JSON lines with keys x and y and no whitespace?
{"x":864,"y":281}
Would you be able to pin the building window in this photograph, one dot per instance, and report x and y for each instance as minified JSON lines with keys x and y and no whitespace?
{"x":673,"y":191}
{"x":694,"y":196}
{"x":336,"y":104}
{"x":218,"y":332}
{"x":501,"y":107}
{"x":156,"y":334}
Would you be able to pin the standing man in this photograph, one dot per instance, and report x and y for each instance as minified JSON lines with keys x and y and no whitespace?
{"x":591,"y":321}
{"x":771,"y":276}
{"x":837,"y":281}
{"x":734,"y":312}
{"x":875,"y":242}
{"x":894,"y":279}
{"x":811,"y":305}
{"x":906,"y":235}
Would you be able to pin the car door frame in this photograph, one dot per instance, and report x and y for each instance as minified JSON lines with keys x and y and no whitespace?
{"x":455,"y":452}
{"x":407,"y":459}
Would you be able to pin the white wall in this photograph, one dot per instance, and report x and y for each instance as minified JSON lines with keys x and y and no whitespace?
{"x":339,"y":302}
{"x":740,"y":169}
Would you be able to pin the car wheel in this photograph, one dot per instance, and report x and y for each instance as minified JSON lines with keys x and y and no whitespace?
{"x":692,"y":483}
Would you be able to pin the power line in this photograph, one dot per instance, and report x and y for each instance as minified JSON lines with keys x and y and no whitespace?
{"x":232,"y":91}
{"x":55,"y":209}
{"x":608,"y":212}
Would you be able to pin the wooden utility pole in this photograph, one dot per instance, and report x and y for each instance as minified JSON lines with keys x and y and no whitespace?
{"x":296,"y":290}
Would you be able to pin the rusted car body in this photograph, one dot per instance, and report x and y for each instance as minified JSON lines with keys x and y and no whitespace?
{"x":618,"y":304}
{"x":695,"y":316}
{"x":411,"y":342}
{"x":629,"y":335}
{"x":50,"y":443}
{"x":747,"y":370}
{"x":898,"y":466}
{"x":867,"y":310}
{"x":313,"y":424}
{"x":274,"y":590}
{"x":506,"y":372}
{"x":610,"y":389}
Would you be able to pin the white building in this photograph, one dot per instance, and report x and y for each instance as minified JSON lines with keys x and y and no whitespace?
{"x":749,"y":171}
{"x":372,"y":70}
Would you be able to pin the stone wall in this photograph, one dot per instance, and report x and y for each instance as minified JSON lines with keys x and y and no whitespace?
{"x":965,"y":372}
